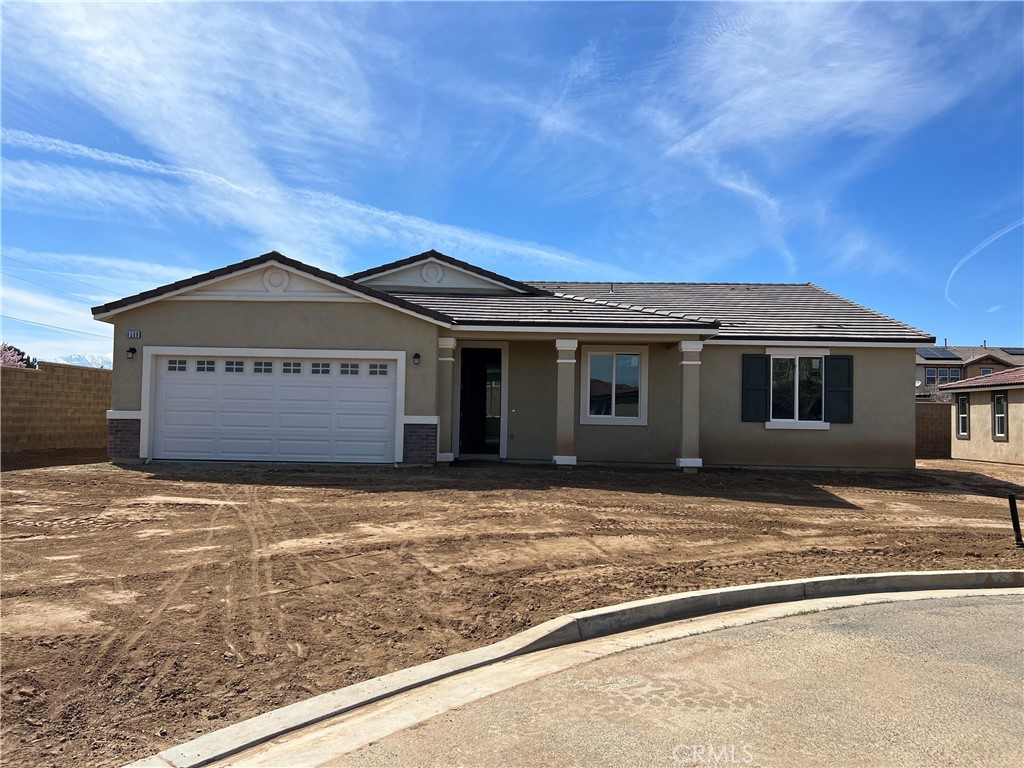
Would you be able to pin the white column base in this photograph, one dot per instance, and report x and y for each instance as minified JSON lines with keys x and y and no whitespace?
{"x":689,"y":463}
{"x":446,"y":457}
{"x":568,"y":461}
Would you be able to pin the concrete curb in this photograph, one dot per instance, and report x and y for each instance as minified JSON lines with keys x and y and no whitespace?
{"x":564,"y":630}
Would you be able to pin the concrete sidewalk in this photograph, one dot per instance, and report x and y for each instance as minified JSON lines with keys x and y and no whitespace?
{"x":912,"y":682}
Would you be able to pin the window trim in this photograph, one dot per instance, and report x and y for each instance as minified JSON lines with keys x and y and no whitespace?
{"x":931,"y":375}
{"x":1005,"y":435}
{"x":965,"y":417}
{"x":589,"y":350}
{"x":986,"y":371}
{"x":795,"y":353}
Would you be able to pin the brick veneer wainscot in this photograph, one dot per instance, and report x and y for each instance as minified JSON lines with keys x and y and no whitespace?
{"x":420,"y":444}
{"x":123,"y":438}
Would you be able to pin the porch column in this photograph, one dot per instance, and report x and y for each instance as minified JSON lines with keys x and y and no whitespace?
{"x":689,"y":405}
{"x":565,"y":410}
{"x":445,"y":388}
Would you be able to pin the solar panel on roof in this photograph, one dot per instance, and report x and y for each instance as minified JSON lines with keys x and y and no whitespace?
{"x":937,"y":353}
{"x":1013,"y":350}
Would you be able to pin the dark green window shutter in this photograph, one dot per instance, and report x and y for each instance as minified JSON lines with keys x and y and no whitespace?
{"x":756,"y":386}
{"x":839,"y":389}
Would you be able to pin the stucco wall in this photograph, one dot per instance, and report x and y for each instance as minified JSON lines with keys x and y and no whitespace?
{"x":299,"y":325}
{"x":980,"y":446}
{"x":532,"y":401}
{"x":881,"y":435}
{"x":54,"y":407}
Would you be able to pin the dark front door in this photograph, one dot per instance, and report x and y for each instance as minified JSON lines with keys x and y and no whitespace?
{"x":480,"y":401}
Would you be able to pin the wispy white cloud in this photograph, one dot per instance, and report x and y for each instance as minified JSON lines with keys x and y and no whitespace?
{"x":757,"y":89}
{"x":995,"y":308}
{"x":975,"y":251}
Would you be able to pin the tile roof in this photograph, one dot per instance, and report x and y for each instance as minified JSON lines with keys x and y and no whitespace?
{"x":972,"y":354}
{"x":1014,"y":377}
{"x":754,"y":311}
{"x":547,"y":310}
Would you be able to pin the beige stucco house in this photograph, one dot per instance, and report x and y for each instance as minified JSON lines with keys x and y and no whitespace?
{"x":431,"y":358}
{"x":988,"y":417}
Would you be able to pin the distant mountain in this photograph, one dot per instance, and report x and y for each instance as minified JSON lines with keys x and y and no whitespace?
{"x":90,"y":361}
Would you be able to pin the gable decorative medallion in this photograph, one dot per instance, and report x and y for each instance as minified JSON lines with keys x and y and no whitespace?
{"x":275,"y":280}
{"x":432,"y":273}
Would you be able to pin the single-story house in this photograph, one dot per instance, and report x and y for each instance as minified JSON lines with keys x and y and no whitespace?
{"x":988,"y":417}
{"x":431,"y":358}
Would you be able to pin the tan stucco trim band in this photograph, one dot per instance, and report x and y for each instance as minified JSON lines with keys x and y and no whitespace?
{"x":567,"y":461}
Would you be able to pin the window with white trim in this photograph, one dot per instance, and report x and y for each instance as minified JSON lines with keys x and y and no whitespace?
{"x":321,"y":369}
{"x":929,"y":375}
{"x":348,"y":369}
{"x":206,"y":366}
{"x":954,"y":374}
{"x":378,"y":369}
{"x":963,"y":416}
{"x":234,"y":366}
{"x":177,"y":366}
{"x":798,"y":388}
{"x":263,"y":366}
{"x":986,"y":371}
{"x":943,"y":375}
{"x":290,"y":367}
{"x":999,"y":417}
{"x":614,"y":383}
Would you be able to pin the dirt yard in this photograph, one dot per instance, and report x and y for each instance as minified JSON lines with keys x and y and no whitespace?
{"x":144,"y":606}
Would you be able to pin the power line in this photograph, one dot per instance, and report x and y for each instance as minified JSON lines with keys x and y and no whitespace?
{"x":48,"y":287}
{"x":55,"y":327}
{"x":58,"y":274}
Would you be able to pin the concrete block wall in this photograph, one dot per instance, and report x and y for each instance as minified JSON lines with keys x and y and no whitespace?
{"x":934,"y":430}
{"x":55,"y":407}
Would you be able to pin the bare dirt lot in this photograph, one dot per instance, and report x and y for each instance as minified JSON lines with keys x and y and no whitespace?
{"x":144,"y":606}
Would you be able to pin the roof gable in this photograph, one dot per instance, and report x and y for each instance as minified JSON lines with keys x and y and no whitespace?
{"x":271,"y":276}
{"x":437,"y":273}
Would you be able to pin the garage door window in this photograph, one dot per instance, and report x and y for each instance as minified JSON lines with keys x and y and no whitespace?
{"x":234,"y":366}
{"x":378,"y":369}
{"x":293,"y":367}
{"x":263,"y":366}
{"x":348,"y":369}
{"x":321,"y":369}
{"x":177,"y":366}
{"x":206,"y":366}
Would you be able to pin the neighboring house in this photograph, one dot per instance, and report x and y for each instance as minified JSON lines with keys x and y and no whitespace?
{"x":430,"y":358}
{"x":936,"y":366}
{"x":988,"y":417}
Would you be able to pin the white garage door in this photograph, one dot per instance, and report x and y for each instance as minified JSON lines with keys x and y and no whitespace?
{"x":274,"y":409}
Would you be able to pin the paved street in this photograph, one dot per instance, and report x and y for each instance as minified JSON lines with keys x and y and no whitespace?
{"x":921,"y":683}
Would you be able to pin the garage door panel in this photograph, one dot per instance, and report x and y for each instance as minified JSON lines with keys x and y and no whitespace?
{"x":277,"y":416}
{"x":243,"y":392}
{"x":256,"y":419}
{"x":188,"y":390}
{"x":183,"y":418}
{"x":303,"y":447}
{"x":193,"y":446}
{"x":313,"y":420}
{"x":251,"y":446}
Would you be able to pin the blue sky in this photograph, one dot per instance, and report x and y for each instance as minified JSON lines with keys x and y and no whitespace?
{"x":868,"y":148}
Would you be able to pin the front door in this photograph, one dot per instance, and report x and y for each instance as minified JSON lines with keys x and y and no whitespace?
{"x":480,"y":402}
